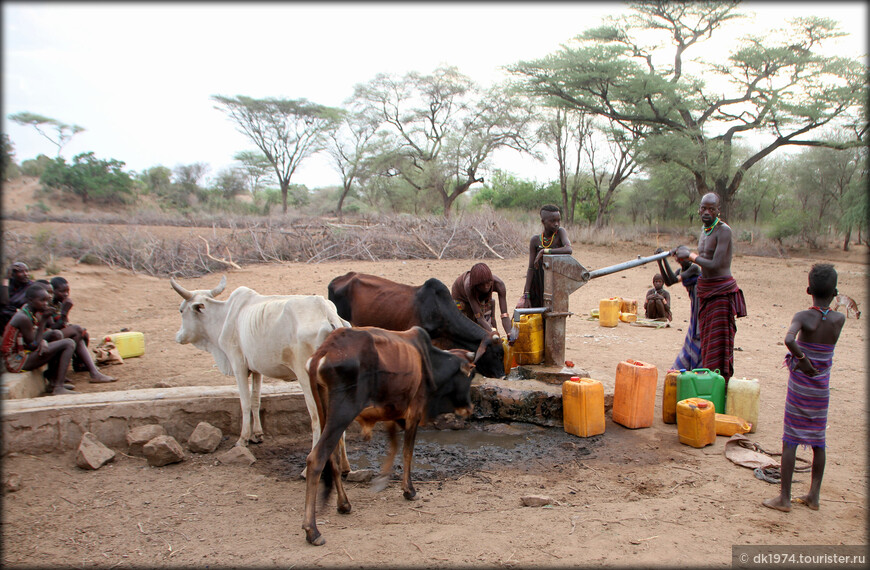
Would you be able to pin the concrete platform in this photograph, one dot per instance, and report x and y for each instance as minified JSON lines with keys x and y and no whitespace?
{"x":23,"y":385}
{"x":56,"y":423}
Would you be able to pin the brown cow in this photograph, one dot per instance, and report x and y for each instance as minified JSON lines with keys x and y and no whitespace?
{"x":374,"y":375}
{"x":371,"y":301}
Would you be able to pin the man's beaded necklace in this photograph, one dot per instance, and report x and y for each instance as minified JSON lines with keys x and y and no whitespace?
{"x":709,"y":230}
{"x":823,"y":311}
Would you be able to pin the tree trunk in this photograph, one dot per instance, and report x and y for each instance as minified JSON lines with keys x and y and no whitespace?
{"x":344,"y":193}
{"x":847,"y":238}
{"x":285,"y":187}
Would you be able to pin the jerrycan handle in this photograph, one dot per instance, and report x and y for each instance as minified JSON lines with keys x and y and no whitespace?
{"x":699,"y":370}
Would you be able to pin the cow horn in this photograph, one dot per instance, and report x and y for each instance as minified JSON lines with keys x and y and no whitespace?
{"x":185,"y":294}
{"x":217,"y":290}
{"x":481,"y":349}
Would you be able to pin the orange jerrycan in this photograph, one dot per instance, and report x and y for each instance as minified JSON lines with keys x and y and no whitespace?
{"x":669,"y":397}
{"x":634,"y":394}
{"x":729,"y":425}
{"x":696,"y":422}
{"x":583,"y":406}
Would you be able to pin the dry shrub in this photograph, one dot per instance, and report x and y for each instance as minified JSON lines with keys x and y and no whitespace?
{"x":267,"y":240}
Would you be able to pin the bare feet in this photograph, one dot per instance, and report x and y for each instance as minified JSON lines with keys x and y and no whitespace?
{"x":101,"y":378}
{"x":808,"y":501}
{"x":61,"y":390}
{"x":778,"y":504}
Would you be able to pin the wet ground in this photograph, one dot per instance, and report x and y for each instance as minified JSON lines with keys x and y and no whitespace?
{"x":446,"y":454}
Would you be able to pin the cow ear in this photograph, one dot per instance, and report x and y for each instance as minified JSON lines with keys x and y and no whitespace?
{"x":198,"y":307}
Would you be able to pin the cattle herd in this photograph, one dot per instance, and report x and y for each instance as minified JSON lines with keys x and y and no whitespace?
{"x":375,"y":351}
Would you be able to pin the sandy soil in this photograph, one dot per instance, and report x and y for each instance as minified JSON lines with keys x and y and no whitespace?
{"x":625,"y":498}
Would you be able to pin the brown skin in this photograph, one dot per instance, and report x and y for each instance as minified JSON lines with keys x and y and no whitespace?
{"x":78,"y":334}
{"x":551,"y":222}
{"x":807,"y":326}
{"x":658,"y":295}
{"x":714,"y":250}
{"x":484,"y":291}
{"x":56,"y":353}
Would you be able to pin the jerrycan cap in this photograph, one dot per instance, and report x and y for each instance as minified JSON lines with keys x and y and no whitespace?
{"x":702,"y":405}
{"x":575,"y":378}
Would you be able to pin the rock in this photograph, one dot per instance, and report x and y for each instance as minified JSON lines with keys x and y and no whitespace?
{"x":163,"y":450}
{"x":536,"y":501}
{"x":205,"y":438}
{"x":360,"y":476}
{"x":237,"y":455}
{"x":449,"y":421}
{"x":139,"y":436}
{"x":92,"y":454}
{"x":163,"y":384}
{"x":12,"y":483}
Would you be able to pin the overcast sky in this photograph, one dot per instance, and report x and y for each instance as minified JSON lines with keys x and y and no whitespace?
{"x":139,"y":76}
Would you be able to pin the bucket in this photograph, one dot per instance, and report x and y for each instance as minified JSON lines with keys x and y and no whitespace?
{"x":669,"y":397}
{"x":529,"y":346}
{"x":628,"y":317}
{"x":634,"y":394}
{"x":628,"y":306}
{"x":696,"y":422}
{"x":742,"y":400}
{"x":129,"y":344}
{"x":608,"y":312}
{"x":702,"y":383}
{"x":583,"y":406}
{"x":728,"y":425}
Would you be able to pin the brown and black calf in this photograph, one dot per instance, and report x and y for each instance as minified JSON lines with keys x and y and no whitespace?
{"x":371,"y":301}
{"x":374,"y":375}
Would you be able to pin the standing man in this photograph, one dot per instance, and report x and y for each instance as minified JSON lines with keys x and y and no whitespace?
{"x":720,"y":299}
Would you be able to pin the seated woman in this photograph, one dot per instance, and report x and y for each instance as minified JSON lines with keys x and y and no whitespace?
{"x":60,"y":307}
{"x":25,"y":347}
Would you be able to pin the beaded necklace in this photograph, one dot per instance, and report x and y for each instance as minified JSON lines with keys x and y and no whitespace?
{"x":708,"y":231}
{"x":27,"y":312}
{"x":824,"y":311}
{"x":552,"y":239}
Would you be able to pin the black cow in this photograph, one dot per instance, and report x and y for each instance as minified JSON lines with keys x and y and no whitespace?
{"x":371,"y":301}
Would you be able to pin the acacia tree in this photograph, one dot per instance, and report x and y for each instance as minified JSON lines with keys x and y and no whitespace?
{"x":287,"y":131}
{"x":62,"y":132}
{"x":781,"y":88}
{"x":352,"y":146}
{"x":441,"y":128}
{"x":564,"y":134}
{"x":256,"y":168}
{"x":612,"y":169}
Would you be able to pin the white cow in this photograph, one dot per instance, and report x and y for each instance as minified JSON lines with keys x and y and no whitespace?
{"x":259,"y":335}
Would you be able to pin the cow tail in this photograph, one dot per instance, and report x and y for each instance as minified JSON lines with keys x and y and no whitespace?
{"x":424,"y":345}
{"x":313,"y":377}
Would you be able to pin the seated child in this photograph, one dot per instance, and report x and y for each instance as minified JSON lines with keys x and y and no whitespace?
{"x":25,"y":347}
{"x":658,"y":301}
{"x":61,"y":305}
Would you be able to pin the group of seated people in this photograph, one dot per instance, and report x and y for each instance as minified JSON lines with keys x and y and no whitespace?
{"x":34,"y":316}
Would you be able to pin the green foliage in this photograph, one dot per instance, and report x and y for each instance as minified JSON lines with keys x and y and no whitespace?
{"x":506,"y":191}
{"x":8,"y":168}
{"x":230,"y":183}
{"x":63,"y":132}
{"x":790,"y":223}
{"x":91,"y":178}
{"x":156,"y":180}
{"x":35,"y":166}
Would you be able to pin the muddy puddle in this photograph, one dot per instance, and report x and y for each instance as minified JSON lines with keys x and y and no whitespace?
{"x":445,"y":454}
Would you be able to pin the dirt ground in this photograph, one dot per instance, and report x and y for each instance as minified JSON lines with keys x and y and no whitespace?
{"x":624,"y":498}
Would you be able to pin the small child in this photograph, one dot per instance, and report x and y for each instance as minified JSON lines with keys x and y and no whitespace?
{"x":806,"y":404}
{"x":658,"y":301}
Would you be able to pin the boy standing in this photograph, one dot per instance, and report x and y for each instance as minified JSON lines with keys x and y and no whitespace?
{"x":810,"y":340}
{"x":552,"y":240}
